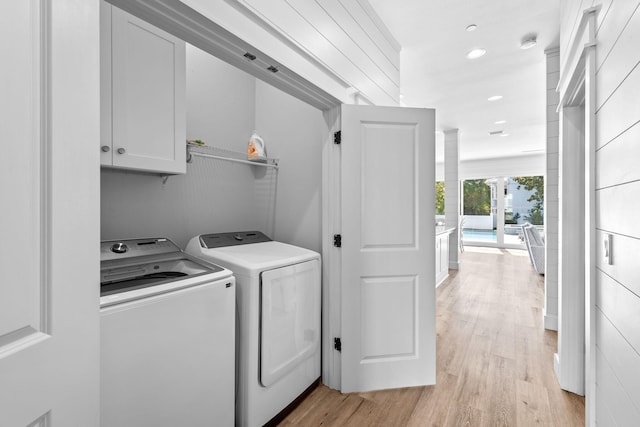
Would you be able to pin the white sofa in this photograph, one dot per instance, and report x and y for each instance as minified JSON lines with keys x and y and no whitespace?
{"x":535,"y":245}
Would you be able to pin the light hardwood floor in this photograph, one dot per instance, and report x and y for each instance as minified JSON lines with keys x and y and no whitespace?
{"x":494,"y":359}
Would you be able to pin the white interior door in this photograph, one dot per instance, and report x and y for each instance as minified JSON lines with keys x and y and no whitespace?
{"x":49,"y":215}
{"x":388,"y":247}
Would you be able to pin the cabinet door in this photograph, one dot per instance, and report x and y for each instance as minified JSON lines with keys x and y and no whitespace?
{"x":444,"y":254}
{"x":148,"y":92}
{"x":438,"y":257}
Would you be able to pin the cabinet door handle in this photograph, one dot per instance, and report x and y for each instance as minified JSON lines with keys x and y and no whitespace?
{"x":121,"y":150}
{"x":105,"y":148}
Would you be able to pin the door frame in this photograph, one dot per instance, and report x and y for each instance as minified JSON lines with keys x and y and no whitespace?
{"x":577,"y":88}
{"x":331,"y":259}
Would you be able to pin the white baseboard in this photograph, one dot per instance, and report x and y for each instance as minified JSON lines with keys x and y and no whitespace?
{"x":551,"y":322}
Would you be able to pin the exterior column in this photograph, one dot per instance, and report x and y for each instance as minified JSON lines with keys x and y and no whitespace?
{"x":551,"y":198}
{"x":452,"y":194}
{"x":500,"y":210}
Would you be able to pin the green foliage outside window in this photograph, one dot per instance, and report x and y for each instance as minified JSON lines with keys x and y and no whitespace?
{"x":477,"y":197}
{"x":536,"y":185}
{"x":439,"y":197}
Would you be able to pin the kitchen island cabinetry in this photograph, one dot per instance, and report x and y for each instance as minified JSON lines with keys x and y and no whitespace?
{"x":142,"y":92}
{"x":442,"y":253}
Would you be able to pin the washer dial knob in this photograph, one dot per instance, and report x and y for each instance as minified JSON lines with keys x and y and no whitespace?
{"x":119,"y":248}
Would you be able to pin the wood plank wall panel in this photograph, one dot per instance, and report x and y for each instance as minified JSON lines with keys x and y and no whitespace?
{"x":551,"y":182}
{"x":624,"y":270}
{"x":620,"y":204}
{"x":372,"y":27}
{"x":621,"y":111}
{"x":342,"y":32}
{"x":623,"y":152}
{"x":616,"y":305}
{"x":605,"y":5}
{"x":613,"y":29}
{"x":620,"y":61}
{"x":610,"y":395}
{"x":617,"y":178}
{"x":363,"y":43}
{"x":603,"y":415}
{"x":338,"y":39}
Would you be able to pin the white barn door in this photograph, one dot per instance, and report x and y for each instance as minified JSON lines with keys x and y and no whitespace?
{"x":49,"y":213}
{"x":388,"y":247}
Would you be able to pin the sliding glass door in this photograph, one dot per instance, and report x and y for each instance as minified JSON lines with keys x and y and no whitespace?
{"x":495,"y":209}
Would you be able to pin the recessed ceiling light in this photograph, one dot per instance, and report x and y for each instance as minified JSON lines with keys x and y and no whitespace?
{"x":476,"y":53}
{"x":471,"y":27}
{"x":500,"y":122}
{"x":528,"y":42}
{"x":494,"y":98}
{"x":504,"y":134}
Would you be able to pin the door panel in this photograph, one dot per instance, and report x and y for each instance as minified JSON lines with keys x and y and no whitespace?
{"x":289,"y":318}
{"x":388,"y":255}
{"x":380,"y":195}
{"x":21,"y":299}
{"x":389,"y":318}
{"x":49,"y":181}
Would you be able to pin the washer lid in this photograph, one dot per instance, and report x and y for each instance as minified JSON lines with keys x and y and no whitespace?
{"x":135,"y":268}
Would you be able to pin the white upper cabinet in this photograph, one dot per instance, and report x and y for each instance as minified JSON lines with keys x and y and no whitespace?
{"x":142,"y":95}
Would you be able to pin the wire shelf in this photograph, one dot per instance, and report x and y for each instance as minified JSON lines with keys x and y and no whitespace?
{"x":228,"y":155}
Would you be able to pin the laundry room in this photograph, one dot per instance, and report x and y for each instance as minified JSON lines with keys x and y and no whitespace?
{"x":224,"y":106}
{"x":239,"y":218}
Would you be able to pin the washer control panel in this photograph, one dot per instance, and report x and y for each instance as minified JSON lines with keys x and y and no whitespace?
{"x":130,"y":248}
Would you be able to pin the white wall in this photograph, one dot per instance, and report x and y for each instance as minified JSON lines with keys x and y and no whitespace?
{"x":220,"y":101}
{"x":479,"y":222}
{"x":530,"y":165}
{"x":224,"y":106}
{"x":617,"y":202}
{"x":293,"y":131}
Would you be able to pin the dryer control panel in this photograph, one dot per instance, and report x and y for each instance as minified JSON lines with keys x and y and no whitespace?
{"x":218,"y":240}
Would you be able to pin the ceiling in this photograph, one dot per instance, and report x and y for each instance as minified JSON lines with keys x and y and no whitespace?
{"x":436,"y":73}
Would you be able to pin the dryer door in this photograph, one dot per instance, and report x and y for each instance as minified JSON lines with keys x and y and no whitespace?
{"x":289,"y":318}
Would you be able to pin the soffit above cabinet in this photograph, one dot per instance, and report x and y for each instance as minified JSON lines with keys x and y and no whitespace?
{"x":322,"y":78}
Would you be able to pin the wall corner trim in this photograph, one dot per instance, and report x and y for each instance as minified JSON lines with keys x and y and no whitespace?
{"x":552,"y":50}
{"x":583,"y":40}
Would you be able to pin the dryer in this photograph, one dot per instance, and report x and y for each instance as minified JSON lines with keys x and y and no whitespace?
{"x":279,"y":298}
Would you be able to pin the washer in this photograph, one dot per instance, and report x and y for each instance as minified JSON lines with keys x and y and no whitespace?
{"x":167,"y":323}
{"x":278,"y":297}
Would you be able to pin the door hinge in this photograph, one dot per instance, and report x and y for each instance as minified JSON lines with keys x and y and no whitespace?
{"x":337,"y":344}
{"x":337,"y":240}
{"x":337,"y":137}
